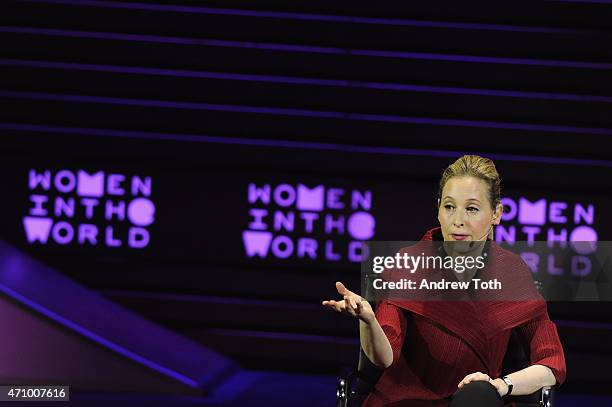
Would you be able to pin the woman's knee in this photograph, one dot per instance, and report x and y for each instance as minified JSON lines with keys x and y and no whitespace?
{"x":477,"y":394}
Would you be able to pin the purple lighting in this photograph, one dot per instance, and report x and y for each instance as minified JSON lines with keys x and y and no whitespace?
{"x":90,"y":198}
{"x":298,"y":145}
{"x":91,"y":185}
{"x":256,"y":243}
{"x":550,"y":221}
{"x":310,"y":199}
{"x":584,"y":239}
{"x":532,"y":213}
{"x":399,"y":87}
{"x":309,"y":16}
{"x":324,"y":114}
{"x":37,"y":229}
{"x":361,"y":225}
{"x":141,"y":211}
{"x":323,"y":213}
{"x":306,"y":48}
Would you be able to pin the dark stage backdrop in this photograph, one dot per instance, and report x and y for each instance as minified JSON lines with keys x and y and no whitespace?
{"x":191,"y":128}
{"x":194,"y":226}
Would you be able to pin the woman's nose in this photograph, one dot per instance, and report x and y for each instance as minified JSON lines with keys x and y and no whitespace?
{"x":458,"y":219}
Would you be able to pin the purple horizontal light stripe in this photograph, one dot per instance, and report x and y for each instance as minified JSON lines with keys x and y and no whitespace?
{"x":183,"y":73}
{"x":289,"y":144}
{"x":283,"y":336}
{"x":302,"y":113}
{"x":308,"y":16}
{"x":282,"y":303}
{"x":305,"y":48}
{"x":96,"y":338}
{"x":208,"y":299}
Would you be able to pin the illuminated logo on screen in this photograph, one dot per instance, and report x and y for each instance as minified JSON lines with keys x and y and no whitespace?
{"x":99,"y":209}
{"x":300,"y":222}
{"x":555,"y":222}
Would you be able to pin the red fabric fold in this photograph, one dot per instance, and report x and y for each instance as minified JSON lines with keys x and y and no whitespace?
{"x":437,"y":343}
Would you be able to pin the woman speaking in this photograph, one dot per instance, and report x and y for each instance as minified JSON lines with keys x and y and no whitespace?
{"x":450,"y":353}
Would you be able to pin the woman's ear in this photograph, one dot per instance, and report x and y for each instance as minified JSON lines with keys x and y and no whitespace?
{"x":499,"y":210}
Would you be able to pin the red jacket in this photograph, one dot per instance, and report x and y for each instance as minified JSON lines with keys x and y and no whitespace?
{"x":436,"y":344}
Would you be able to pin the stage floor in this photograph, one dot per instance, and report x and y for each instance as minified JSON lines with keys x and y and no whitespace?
{"x":265,"y":389}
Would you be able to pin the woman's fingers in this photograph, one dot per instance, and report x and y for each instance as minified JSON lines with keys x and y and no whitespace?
{"x":466,"y":380}
{"x":474,"y":377}
{"x":463,"y":381}
{"x":353,"y":303}
{"x":332,"y":305}
{"x":339,"y":306}
{"x":350,"y":304}
{"x":342,"y":290}
{"x":345,"y":292}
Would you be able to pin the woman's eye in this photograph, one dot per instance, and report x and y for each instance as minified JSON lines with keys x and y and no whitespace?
{"x":472,"y":209}
{"x":449,"y":206}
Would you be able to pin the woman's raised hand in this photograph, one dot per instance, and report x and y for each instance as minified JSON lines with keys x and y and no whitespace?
{"x":351,"y":304}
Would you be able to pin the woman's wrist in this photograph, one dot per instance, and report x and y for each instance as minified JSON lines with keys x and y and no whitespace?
{"x":367,"y":318}
{"x":501,"y":386}
{"x":367,"y":315}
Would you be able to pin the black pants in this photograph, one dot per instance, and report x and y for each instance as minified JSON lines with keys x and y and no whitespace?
{"x":477,"y":394}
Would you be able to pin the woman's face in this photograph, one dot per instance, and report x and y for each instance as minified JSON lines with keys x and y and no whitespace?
{"x":464,"y":210}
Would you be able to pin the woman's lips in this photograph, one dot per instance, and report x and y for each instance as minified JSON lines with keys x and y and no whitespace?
{"x":459,"y":237}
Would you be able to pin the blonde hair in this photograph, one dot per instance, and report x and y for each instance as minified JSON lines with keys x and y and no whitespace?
{"x":475,"y":166}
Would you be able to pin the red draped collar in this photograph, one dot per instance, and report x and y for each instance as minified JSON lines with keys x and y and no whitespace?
{"x":477,"y":321}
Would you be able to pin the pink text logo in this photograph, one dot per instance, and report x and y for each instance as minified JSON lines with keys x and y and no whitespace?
{"x":79,"y":207}
{"x":555,"y":222}
{"x":542,"y":220}
{"x":299,"y":221}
